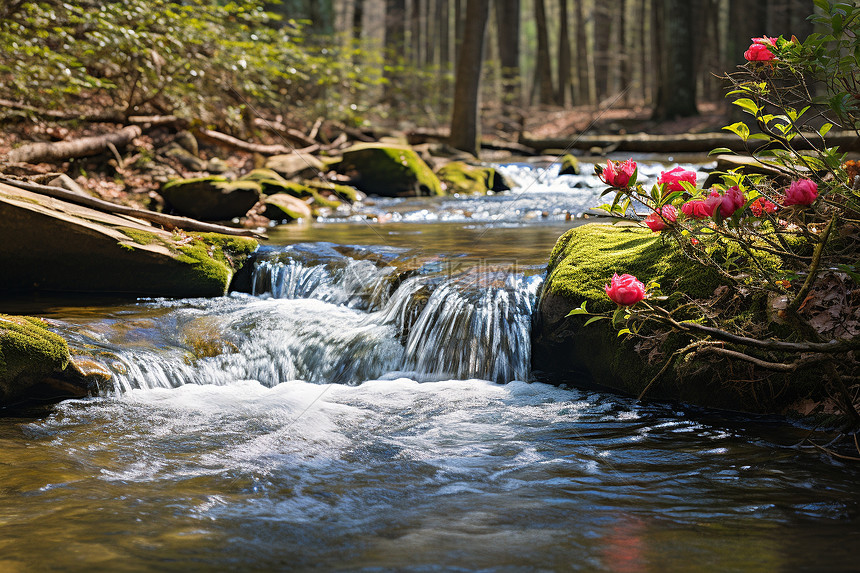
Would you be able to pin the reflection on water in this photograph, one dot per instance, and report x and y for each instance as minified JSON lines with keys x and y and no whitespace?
{"x":400,"y":475}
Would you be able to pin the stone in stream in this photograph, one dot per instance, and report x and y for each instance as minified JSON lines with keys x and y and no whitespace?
{"x":50,"y":245}
{"x":388,"y":170}
{"x":565,"y":350}
{"x":569,"y":165}
{"x":291,"y":165}
{"x":460,"y":177}
{"x":213,"y":198}
{"x":285,"y":207}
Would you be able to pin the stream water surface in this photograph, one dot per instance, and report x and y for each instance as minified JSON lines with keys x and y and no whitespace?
{"x":369,"y":407}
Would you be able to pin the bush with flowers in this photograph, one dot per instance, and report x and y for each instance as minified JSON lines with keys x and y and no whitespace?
{"x":787,"y":248}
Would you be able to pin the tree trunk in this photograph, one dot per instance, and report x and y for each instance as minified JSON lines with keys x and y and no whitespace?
{"x":465,"y":118}
{"x":564,"y":63}
{"x":508,"y":26}
{"x":602,"y":47}
{"x":543,"y":68}
{"x":676,"y":70}
{"x":582,"y":57}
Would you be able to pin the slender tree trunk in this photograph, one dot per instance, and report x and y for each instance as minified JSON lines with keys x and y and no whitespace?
{"x":582,"y":56}
{"x":564,"y":63}
{"x":625,"y":52}
{"x":465,"y":118}
{"x":543,"y":67}
{"x":677,"y":70}
{"x":602,"y":47}
{"x":508,"y":26}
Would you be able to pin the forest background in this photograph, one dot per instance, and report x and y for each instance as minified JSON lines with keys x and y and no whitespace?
{"x":550,"y":67}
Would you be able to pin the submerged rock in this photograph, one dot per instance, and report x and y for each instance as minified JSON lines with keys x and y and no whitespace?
{"x":213,"y":198}
{"x":565,"y":350}
{"x":388,"y":170}
{"x":51,"y":245}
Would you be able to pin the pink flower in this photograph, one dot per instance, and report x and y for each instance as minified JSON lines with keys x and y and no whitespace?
{"x":702,"y":208}
{"x":759,"y":53}
{"x":657,"y":221}
{"x":801,"y":192}
{"x":761,"y":206}
{"x":765,"y":41}
{"x":732,"y":201}
{"x":672,"y":179}
{"x":618,"y":174}
{"x":625,"y":290}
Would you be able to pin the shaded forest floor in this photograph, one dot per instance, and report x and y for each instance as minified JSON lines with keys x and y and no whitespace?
{"x":559,"y":123}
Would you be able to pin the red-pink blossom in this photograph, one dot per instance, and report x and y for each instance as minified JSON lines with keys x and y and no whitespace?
{"x":765,"y":41}
{"x":759,"y":53}
{"x":672,"y":179}
{"x":732,"y":201}
{"x":625,"y":290}
{"x":656,"y":222}
{"x":702,"y":208}
{"x":761,"y":206}
{"x":617,"y":173}
{"x":801,"y":192}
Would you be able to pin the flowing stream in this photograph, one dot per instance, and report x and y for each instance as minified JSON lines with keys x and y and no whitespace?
{"x":368,"y":407}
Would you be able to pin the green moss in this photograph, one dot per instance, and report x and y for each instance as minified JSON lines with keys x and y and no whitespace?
{"x":585,"y":258}
{"x":194,"y":180}
{"x":141,"y":237}
{"x":345,"y":192}
{"x":569,"y":165}
{"x":389,"y":170}
{"x":460,"y":177}
{"x":27,"y":346}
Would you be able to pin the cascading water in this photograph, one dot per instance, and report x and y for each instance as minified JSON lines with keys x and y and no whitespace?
{"x":320,"y":315}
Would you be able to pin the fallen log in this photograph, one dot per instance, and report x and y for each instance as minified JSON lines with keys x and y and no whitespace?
{"x":63,"y":150}
{"x":429,"y":135}
{"x":231,"y":142}
{"x":685,"y":142}
{"x":282,"y":130}
{"x":169,"y":222}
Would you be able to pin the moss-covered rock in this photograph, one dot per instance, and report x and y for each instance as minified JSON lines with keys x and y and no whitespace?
{"x":284,"y":207}
{"x":29,"y":353}
{"x":51,"y":245}
{"x":213,"y":198}
{"x":460,"y":177}
{"x":569,"y":165}
{"x":565,"y":350}
{"x":388,"y":170}
{"x":295,"y":165}
{"x":272,"y":184}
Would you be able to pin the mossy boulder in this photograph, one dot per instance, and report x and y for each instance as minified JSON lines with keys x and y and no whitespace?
{"x":388,"y":170}
{"x":36,"y":364}
{"x":460,"y":177}
{"x":272,"y":184}
{"x":292,"y":165}
{"x":54,"y":246}
{"x":565,"y":350}
{"x":284,"y":207}
{"x":213,"y":198}
{"x":569,"y":165}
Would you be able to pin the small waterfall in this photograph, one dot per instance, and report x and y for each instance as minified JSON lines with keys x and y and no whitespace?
{"x":329,"y":321}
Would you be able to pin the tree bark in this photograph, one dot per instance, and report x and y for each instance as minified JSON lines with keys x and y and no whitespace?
{"x":508,"y":25}
{"x":465,"y":118}
{"x":543,"y":67}
{"x":63,"y":150}
{"x":564,"y":62}
{"x":676,"y":94}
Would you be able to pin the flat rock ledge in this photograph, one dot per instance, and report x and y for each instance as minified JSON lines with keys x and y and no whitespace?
{"x":48,"y":245}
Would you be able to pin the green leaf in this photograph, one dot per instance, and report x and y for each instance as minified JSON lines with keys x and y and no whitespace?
{"x":595,"y":319}
{"x":624,"y":331}
{"x":720,"y":150}
{"x":740,"y":129}
{"x":825,"y":129}
{"x":747,"y":105}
